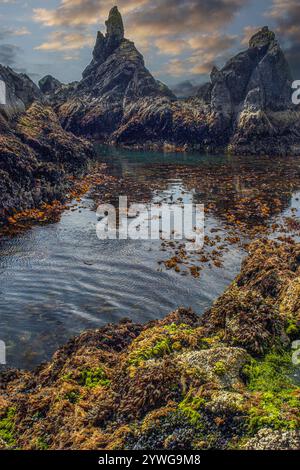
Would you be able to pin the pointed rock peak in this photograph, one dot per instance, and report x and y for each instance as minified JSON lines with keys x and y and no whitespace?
{"x":262,"y":38}
{"x":115,"y":26}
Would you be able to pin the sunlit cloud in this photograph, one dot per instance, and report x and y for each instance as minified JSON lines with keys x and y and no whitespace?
{"x":59,"y":41}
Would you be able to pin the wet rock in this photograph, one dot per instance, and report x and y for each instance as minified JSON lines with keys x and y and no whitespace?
{"x":169,"y":384}
{"x":21,"y":92}
{"x":37,"y":154}
{"x":220,"y":365}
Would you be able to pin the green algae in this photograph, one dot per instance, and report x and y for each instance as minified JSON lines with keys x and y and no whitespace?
{"x":292,"y":328}
{"x":73,"y":396}
{"x":41,"y":444}
{"x":158,"y":342}
{"x":276,"y":402}
{"x":190,"y":407}
{"x":220,"y":368}
{"x":7,"y":427}
{"x":93,"y":378}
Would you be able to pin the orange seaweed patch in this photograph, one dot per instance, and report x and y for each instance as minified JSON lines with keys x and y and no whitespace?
{"x":51,"y":213}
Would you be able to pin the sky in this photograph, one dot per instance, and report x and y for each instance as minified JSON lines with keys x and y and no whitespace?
{"x":180,"y":39}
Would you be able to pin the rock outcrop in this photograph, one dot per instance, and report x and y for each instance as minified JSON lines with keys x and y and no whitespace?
{"x":36,"y":153}
{"x":245,"y":108}
{"x":49,"y":85}
{"x":178,"y":383}
{"x":115,"y":78}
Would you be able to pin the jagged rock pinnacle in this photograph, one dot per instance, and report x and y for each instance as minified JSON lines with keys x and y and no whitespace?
{"x":262,"y":38}
{"x":115,"y":28}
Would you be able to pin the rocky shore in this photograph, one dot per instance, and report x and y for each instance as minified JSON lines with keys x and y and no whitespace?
{"x":37,"y":154}
{"x":245,"y":108}
{"x":225,"y":380}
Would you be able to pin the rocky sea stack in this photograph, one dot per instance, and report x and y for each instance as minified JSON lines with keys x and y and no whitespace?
{"x":245,"y":108}
{"x":114,"y":80}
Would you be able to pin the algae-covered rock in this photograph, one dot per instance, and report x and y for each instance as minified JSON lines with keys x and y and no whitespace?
{"x":223,"y":382}
{"x":221,"y":366}
{"x":36,"y":153}
{"x":260,"y":309}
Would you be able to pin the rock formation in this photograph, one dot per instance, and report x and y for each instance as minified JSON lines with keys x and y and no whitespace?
{"x":36,"y":153}
{"x":245,"y":108}
{"x":115,"y":79}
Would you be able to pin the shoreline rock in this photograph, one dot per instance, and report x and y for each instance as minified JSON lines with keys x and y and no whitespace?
{"x":182,"y":382}
{"x":37,"y":154}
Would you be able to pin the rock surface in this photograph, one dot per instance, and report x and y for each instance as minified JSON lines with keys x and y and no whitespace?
{"x":36,"y":153}
{"x":177,"y":383}
{"x":245,"y":108}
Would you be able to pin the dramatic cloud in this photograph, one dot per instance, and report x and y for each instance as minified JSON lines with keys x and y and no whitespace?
{"x":286,"y":14}
{"x":204,"y":52}
{"x":145,"y":18}
{"x":82,"y":12}
{"x":59,"y":41}
{"x":182,"y":17}
{"x":171,"y":27}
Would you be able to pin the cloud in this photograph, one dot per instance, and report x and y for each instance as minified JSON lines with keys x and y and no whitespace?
{"x":82,"y":12}
{"x":178,"y":17}
{"x":9,"y":32}
{"x":145,"y":18}
{"x":170,"y":26}
{"x":60,"y":41}
{"x":205,"y":51}
{"x":286,"y":14}
{"x":171,"y":46}
{"x":9,"y":54}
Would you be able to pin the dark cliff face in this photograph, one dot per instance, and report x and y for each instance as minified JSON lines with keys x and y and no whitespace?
{"x":49,"y":85}
{"x":245,"y":108}
{"x":21,"y":92}
{"x":258,"y":77}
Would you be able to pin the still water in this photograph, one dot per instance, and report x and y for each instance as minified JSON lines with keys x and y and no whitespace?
{"x":59,"y":280}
